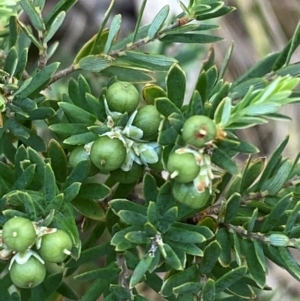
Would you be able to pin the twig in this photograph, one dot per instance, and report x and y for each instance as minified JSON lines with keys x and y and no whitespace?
{"x":62,"y":73}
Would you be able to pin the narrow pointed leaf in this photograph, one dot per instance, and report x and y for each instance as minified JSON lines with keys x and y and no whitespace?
{"x":140,"y":270}
{"x":158,"y":21}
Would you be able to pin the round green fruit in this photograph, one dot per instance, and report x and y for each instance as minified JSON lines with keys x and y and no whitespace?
{"x":183,"y":166}
{"x":198,"y":130}
{"x":108,"y":154}
{"x":122,"y":97}
{"x":29,"y":274}
{"x":77,"y":155}
{"x":56,"y":246}
{"x":187,"y":194}
{"x":127,"y":177}
{"x":148,"y":120}
{"x":18,"y":234}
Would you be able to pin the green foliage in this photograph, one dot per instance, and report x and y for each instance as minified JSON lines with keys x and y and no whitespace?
{"x":128,"y":223}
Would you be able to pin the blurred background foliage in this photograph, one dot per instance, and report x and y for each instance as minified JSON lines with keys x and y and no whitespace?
{"x":257,"y":28}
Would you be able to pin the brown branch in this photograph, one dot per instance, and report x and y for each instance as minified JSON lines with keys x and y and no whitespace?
{"x":62,"y":73}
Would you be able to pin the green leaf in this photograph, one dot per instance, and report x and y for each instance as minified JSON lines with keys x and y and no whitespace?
{"x":292,"y":219}
{"x":208,"y":290}
{"x":137,"y":237}
{"x":184,"y":236}
{"x":113,"y":31}
{"x":49,"y":186}
{"x":154,"y":62}
{"x":223,"y":238}
{"x":252,"y":172}
{"x":140,"y":270}
{"x":187,"y":248}
{"x":254,"y":265}
{"x":223,"y":160}
{"x":276,"y":183}
{"x":285,"y":55}
{"x":94,"y":63}
{"x":262,"y":68}
{"x":96,"y":191}
{"x":150,"y":189}
{"x":252,"y":220}
{"x":33,"y":15}
{"x":11,"y":61}
{"x":88,"y":208}
{"x":187,"y":275}
{"x":274,"y":216}
{"x":62,"y":5}
{"x":55,"y":25}
{"x":108,"y":273}
{"x":132,"y":218}
{"x":77,"y":114}
{"x":120,"y":292}
{"x":158,"y":22}
{"x":211,"y":254}
{"x":81,"y":139}
{"x":68,"y":128}
{"x":79,"y":173}
{"x":232,"y":207}
{"x":95,"y":290}
{"x":176,"y":84}
{"x":122,"y":204}
{"x":91,"y":254}
{"x":291,"y":264}
{"x":22,"y":62}
{"x":171,"y":257}
{"x":58,"y":160}
{"x":189,"y":38}
{"x":71,"y":191}
{"x":187,"y":288}
{"x":151,"y":92}
{"x":166,"y":107}
{"x":25,"y":179}
{"x":229,"y":278}
{"x":126,"y":73}
{"x":39,"y":81}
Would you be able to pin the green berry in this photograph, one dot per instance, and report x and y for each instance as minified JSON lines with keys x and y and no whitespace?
{"x":29,"y":274}
{"x":122,"y":97}
{"x":148,"y":120}
{"x":56,"y":246}
{"x":198,"y":130}
{"x":187,"y":194}
{"x":18,"y":234}
{"x":107,"y":153}
{"x":183,"y":167}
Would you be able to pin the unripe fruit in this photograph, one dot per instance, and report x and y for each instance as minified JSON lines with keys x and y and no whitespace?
{"x":198,"y":130}
{"x":55,"y":246}
{"x":108,"y":154}
{"x":29,"y":274}
{"x":187,"y":194}
{"x":77,"y":155}
{"x":127,"y":177}
{"x":183,"y":167}
{"x":148,"y":120}
{"x":122,"y":97}
{"x":18,"y":234}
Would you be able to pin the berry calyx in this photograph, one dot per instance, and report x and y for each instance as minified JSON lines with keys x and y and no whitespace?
{"x":122,"y":97}
{"x":198,"y":130}
{"x":18,"y":234}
